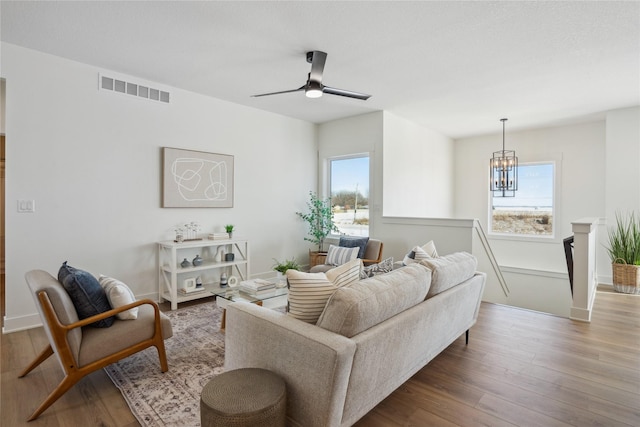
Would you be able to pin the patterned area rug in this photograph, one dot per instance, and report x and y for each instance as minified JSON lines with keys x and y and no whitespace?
{"x":195,"y":354}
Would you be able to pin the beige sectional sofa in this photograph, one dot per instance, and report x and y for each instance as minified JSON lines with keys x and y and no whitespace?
{"x":372,"y":336}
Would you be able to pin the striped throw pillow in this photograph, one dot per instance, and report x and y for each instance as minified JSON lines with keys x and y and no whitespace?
{"x":309,"y":292}
{"x":338,"y":255}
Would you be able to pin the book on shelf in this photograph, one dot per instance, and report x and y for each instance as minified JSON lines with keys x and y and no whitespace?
{"x":218,"y":236}
{"x":195,"y":290}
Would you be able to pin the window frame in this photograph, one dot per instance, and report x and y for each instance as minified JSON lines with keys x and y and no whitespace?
{"x":555,"y":212}
{"x":328,"y":183}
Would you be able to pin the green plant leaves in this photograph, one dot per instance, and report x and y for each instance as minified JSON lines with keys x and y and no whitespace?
{"x":319,"y":219}
{"x":624,"y":239}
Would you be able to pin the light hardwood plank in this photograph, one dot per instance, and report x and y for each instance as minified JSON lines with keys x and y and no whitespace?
{"x":521,"y":368}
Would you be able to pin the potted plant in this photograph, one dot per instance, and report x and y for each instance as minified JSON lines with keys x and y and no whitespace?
{"x":624,"y":251}
{"x":320,"y":222}
{"x":229,"y":229}
{"x":289,"y":264}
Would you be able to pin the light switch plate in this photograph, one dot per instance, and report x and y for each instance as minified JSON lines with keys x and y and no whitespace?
{"x":26,"y":206}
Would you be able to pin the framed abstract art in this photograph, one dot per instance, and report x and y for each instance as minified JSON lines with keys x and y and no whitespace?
{"x":196,"y":179}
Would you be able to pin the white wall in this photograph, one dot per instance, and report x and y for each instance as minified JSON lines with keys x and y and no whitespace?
{"x":418,"y":170}
{"x":406,"y":162}
{"x":622,"y":174}
{"x":580,"y":149}
{"x":91,"y":161}
{"x":354,"y":135}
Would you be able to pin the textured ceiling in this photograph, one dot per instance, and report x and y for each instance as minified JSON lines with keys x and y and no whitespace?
{"x":455,"y":67}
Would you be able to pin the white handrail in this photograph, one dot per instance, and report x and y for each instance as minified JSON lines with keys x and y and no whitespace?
{"x":492,"y":259}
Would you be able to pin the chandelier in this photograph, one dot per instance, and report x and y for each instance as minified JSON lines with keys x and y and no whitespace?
{"x":503,"y":170}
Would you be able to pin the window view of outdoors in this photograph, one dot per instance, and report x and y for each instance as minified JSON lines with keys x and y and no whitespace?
{"x":349,"y":185}
{"x":530,"y":212}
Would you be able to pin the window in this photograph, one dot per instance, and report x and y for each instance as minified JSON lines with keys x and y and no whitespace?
{"x":531,"y":212}
{"x":349,"y":187}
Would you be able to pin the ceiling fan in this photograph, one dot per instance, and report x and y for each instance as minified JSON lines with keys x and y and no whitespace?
{"x":314,"y":87}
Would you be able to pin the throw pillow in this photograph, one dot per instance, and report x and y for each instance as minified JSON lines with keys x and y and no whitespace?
{"x":309,"y":292}
{"x":382,"y":267}
{"x":354,"y":242}
{"x":118,"y":295}
{"x":426,"y":251}
{"x":450,"y":270}
{"x":337,"y":255}
{"x":85,"y":292}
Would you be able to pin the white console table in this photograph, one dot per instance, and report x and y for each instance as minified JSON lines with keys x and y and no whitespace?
{"x":171,"y":275}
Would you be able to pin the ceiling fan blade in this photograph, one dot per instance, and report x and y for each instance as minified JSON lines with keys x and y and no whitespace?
{"x":317,"y":59}
{"x":278,"y":93}
{"x":347,"y":93}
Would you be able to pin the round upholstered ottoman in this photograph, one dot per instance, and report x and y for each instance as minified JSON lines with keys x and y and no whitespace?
{"x":242,"y":398}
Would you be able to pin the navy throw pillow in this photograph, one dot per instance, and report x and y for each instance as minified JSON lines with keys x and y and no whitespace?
{"x":86,"y":293}
{"x":354,"y":242}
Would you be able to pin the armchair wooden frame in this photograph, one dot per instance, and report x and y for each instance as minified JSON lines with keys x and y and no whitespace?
{"x":73,"y":372}
{"x":377,"y":260}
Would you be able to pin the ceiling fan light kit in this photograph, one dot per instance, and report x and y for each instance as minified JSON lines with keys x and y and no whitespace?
{"x":314,"y":88}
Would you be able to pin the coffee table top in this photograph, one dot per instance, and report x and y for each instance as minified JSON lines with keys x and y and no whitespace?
{"x":235,"y":294}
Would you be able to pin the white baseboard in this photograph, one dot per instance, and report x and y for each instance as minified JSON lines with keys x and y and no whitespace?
{"x":21,"y":323}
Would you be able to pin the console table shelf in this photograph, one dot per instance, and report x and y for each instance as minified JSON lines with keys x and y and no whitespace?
{"x":171,"y":275}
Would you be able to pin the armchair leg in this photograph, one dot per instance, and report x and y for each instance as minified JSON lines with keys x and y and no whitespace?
{"x":38,"y":360}
{"x":162,"y":355}
{"x":466,"y":338}
{"x":66,"y":383}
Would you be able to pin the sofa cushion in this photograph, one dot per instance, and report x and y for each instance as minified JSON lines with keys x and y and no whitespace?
{"x":354,"y":242}
{"x":418,"y":253}
{"x":118,"y":295}
{"x":337,"y":255}
{"x":382,"y":267}
{"x":87,"y":295}
{"x":309,"y":292}
{"x":449,"y":270}
{"x":355,"y":308}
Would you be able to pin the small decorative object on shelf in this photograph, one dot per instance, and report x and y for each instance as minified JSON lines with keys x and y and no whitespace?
{"x":197,"y":261}
{"x":187,"y":232}
{"x":229,"y":257}
{"x":223,"y":280}
{"x":185,"y":263}
{"x":219,"y":254}
{"x":229,"y":229}
{"x":198,"y":282}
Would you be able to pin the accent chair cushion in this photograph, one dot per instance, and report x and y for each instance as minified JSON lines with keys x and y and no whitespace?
{"x":354,"y":242}
{"x":309,"y":292}
{"x":337,"y":255}
{"x":118,"y":295}
{"x":87,"y":295}
{"x":450,"y":270}
{"x":355,"y":308}
{"x":382,"y":267}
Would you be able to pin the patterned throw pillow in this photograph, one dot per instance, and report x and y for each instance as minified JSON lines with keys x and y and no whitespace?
{"x":337,"y":255}
{"x":426,"y":251}
{"x":309,"y":292}
{"x":384,"y":266}
{"x":87,"y":295}
{"x":118,"y":295}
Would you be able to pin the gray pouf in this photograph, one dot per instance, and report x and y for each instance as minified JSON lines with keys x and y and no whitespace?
{"x":244,"y":397}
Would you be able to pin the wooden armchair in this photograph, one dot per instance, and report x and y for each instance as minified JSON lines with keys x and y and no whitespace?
{"x":372,"y":255}
{"x":81,"y":349}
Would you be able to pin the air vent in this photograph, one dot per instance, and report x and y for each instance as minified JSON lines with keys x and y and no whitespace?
{"x":113,"y":84}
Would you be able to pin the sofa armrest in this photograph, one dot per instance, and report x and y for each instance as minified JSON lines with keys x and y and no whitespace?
{"x":315,"y":363}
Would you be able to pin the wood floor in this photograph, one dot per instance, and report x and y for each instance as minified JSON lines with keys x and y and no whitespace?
{"x":520,"y":368}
